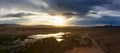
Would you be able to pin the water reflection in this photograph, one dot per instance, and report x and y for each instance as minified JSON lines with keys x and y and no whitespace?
{"x":10,"y":42}
{"x":44,"y":43}
{"x":55,"y":35}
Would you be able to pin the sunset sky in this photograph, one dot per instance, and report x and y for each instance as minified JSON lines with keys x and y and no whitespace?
{"x":60,"y":12}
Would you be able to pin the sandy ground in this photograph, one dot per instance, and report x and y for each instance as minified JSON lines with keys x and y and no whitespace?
{"x":84,"y":50}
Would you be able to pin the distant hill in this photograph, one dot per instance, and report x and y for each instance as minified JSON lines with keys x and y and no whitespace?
{"x":40,"y":26}
{"x":108,"y":26}
{"x":9,"y":25}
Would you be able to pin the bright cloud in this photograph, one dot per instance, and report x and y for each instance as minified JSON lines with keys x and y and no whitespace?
{"x":61,"y":12}
{"x":100,"y":12}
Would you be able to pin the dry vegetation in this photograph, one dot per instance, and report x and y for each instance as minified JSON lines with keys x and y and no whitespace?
{"x":107,"y":39}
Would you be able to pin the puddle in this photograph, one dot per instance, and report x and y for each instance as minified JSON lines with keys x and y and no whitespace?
{"x":58,"y":36}
{"x":10,"y":42}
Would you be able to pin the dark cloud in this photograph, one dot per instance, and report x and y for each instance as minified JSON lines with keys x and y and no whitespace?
{"x":64,"y":14}
{"x":103,"y":20}
{"x":69,"y":13}
{"x":112,"y":5}
{"x":18,"y":15}
{"x":80,"y":6}
{"x":23,"y":4}
{"x":67,"y":8}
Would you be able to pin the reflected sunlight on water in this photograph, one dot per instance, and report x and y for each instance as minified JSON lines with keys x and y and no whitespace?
{"x":55,"y":35}
{"x":21,"y":42}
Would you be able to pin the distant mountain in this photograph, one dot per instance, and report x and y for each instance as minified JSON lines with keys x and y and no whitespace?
{"x":9,"y":24}
{"x":42,"y":26}
{"x":109,"y":26}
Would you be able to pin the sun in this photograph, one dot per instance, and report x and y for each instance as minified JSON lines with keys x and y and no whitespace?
{"x":59,"y":21}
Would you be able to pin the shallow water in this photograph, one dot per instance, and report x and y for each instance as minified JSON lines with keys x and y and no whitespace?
{"x":58,"y":36}
{"x":23,"y":41}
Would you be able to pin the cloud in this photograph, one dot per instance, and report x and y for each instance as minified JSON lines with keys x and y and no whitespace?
{"x":99,"y":12}
{"x":31,"y":5}
{"x":86,"y":12}
{"x":63,"y":13}
{"x":18,"y":15}
{"x":79,"y":6}
{"x":82,"y":7}
{"x":116,"y":2}
{"x":95,"y":21}
{"x":40,"y":3}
